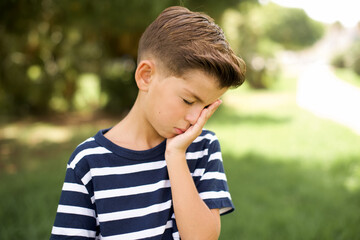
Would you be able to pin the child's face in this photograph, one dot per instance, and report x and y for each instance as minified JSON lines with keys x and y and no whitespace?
{"x":174,"y":103}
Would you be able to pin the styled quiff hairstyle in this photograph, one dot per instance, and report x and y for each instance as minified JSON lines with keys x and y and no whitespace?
{"x":183,"y":40}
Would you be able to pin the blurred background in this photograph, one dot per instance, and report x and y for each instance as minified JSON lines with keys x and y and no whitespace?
{"x":290,"y":135}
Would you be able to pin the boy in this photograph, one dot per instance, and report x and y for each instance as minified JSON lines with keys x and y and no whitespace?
{"x":157,"y":174}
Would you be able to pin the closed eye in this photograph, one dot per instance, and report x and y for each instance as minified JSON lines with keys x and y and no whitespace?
{"x":187,"y":102}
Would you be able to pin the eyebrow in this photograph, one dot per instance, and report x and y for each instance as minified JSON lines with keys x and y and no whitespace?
{"x":194,"y":95}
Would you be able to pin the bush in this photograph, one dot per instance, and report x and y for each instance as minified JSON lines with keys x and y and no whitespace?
{"x":338,"y":61}
{"x":350,"y":58}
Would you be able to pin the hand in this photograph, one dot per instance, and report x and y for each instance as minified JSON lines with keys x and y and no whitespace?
{"x":181,"y":142}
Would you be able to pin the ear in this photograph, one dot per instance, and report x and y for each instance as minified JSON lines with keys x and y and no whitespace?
{"x":143,"y":74}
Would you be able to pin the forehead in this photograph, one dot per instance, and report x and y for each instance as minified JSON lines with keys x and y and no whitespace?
{"x":193,"y":75}
{"x":203,"y":86}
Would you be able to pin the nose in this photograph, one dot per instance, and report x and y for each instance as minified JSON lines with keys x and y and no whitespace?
{"x":193,"y":114}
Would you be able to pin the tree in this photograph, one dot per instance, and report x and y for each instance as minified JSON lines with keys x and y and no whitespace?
{"x":46,"y":46}
{"x":291,"y":27}
{"x":257,"y":32}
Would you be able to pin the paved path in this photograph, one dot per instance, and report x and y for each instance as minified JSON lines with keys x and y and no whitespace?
{"x":327,"y":96}
{"x":318,"y":89}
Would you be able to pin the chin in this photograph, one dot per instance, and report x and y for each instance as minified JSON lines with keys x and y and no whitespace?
{"x":168,"y":135}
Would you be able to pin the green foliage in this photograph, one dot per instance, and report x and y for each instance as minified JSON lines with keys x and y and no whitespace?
{"x":246,"y":36}
{"x":339,"y":61}
{"x":348,"y":75}
{"x":257,"y":32}
{"x":46,"y":47}
{"x":290,"y":27}
{"x":349,"y":58}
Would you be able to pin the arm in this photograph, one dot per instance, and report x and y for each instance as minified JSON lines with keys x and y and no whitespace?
{"x":194,"y":219}
{"x":75,"y":216}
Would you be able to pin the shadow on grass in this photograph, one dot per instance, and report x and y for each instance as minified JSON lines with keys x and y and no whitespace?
{"x":32,"y":169}
{"x":228,"y":115}
{"x":31,"y":177}
{"x":285,"y":200}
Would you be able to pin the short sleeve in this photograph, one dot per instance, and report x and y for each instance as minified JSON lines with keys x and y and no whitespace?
{"x":75,"y":217}
{"x":209,"y":174}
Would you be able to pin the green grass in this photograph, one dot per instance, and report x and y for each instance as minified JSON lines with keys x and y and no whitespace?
{"x":33,"y":157}
{"x":291,"y":175}
{"x":348,"y":75}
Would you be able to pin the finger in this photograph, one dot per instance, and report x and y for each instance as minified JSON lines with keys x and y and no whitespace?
{"x":206,"y":113}
{"x":212,"y":108}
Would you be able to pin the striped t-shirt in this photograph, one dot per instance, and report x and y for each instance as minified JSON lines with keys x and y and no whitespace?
{"x":115,"y":193}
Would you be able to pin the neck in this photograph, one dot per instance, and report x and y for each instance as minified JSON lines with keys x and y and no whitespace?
{"x":134,"y":131}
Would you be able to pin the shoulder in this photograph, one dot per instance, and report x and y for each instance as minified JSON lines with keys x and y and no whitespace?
{"x":204,"y":154}
{"x":207,"y":142}
{"x":85,"y":152}
{"x":206,"y":136}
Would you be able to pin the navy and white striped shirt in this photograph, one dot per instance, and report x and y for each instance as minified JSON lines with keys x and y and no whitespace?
{"x":115,"y":193}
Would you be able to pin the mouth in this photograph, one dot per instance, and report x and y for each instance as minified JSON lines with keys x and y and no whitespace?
{"x":179,"y":130}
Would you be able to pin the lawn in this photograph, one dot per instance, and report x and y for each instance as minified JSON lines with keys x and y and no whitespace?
{"x":348,"y":75}
{"x":291,"y":174}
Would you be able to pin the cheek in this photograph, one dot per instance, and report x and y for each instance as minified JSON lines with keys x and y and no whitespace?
{"x":170,"y":111}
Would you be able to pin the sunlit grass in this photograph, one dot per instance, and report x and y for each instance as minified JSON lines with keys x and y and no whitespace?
{"x":270,"y":122}
{"x":291,"y":175}
{"x":285,"y":135}
{"x":348,"y":75}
